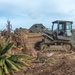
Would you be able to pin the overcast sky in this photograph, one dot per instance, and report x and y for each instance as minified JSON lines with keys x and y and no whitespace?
{"x":25,"y":13}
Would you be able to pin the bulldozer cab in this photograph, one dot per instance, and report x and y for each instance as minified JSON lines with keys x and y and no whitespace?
{"x":62,"y":28}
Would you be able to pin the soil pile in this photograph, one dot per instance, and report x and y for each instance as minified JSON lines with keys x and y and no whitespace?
{"x":22,"y":42}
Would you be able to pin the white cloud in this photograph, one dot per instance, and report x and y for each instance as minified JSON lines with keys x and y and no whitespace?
{"x":27,"y":12}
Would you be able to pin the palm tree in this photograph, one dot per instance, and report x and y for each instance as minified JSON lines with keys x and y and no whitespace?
{"x":10,"y":63}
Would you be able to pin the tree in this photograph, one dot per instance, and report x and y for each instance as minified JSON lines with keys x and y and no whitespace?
{"x":9,"y":26}
{"x":10,"y":63}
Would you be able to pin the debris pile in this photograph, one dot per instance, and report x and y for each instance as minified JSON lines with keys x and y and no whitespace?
{"x":57,"y":64}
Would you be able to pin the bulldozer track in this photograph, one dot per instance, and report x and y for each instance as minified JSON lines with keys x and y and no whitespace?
{"x":49,"y":51}
{"x":56,"y":46}
{"x":55,"y":50}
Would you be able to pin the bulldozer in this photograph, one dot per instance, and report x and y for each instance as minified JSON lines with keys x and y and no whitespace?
{"x":61,"y":37}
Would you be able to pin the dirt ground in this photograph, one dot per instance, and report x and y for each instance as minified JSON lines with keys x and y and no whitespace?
{"x":57,"y":64}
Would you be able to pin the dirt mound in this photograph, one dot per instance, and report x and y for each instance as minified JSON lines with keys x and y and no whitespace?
{"x":34,"y":37}
{"x":21,"y":41}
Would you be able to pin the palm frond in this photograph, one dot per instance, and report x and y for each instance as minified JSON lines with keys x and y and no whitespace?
{"x":3,"y":57}
{"x":2,"y":62}
{"x":18,"y":62}
{"x":5,"y":50}
{"x":19,"y":56}
{"x":22,"y":64}
{"x":1,"y":71}
{"x":26,"y":64}
{"x":12,"y":65}
{"x":1,"y":48}
{"x":19,"y":65}
{"x":6,"y":69}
